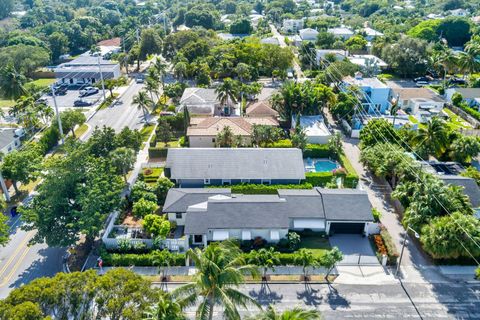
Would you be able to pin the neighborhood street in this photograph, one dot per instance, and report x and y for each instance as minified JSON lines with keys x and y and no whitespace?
{"x":386,"y":301}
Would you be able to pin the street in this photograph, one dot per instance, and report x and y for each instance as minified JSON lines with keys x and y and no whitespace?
{"x":392,"y":301}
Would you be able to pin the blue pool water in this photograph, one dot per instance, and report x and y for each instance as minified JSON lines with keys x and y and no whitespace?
{"x":320,"y":165}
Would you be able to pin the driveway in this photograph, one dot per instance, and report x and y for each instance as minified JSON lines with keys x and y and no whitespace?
{"x":356,"y":249}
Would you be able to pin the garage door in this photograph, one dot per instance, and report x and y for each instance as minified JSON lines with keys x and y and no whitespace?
{"x":350,"y":227}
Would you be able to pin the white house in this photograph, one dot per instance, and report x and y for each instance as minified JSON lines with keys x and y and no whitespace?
{"x":292,"y":25}
{"x":87,"y":69}
{"x":374,"y":93}
{"x":341,"y":32}
{"x":314,"y":128}
{"x":208,"y":216}
{"x":308,"y":34}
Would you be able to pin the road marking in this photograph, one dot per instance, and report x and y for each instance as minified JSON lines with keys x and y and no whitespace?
{"x":17,"y":250}
{"x":15,"y":267}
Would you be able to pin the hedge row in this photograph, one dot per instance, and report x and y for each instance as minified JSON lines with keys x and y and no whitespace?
{"x":157,"y":152}
{"x":251,"y":188}
{"x":137,"y":259}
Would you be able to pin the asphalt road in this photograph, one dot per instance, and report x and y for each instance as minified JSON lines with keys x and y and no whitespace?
{"x":121,"y":114}
{"x":341,"y":301}
{"x":20,"y":263}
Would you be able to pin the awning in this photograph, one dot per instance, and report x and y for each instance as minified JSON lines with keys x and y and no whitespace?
{"x":246,"y":235}
{"x":308,"y":223}
{"x":274,"y":235}
{"x":220,"y":235}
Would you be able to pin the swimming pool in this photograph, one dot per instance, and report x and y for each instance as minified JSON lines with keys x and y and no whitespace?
{"x":320,"y":165}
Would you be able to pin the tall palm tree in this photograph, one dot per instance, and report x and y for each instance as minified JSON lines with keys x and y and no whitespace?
{"x":221,"y":269}
{"x":166,"y":308}
{"x":431,"y":139}
{"x":227,"y":92}
{"x":142,"y":101}
{"x":11,"y":82}
{"x":296,"y":313}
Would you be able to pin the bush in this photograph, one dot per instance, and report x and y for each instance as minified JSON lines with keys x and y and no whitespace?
{"x":317,"y":151}
{"x":141,"y":260}
{"x":392,"y":252}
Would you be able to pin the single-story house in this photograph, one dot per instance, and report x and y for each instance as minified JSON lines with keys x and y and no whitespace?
{"x":261,"y":109}
{"x":470,"y":95}
{"x":198,"y":167}
{"x":87,"y":69}
{"x":422,"y":103}
{"x":375,"y":93}
{"x":222,"y":215}
{"x":308,"y":34}
{"x":204,"y":101}
{"x":202,"y":134}
{"x":341,"y":32}
{"x":314,"y":128}
{"x":10,"y":139}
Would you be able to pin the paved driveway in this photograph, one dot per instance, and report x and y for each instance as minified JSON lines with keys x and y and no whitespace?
{"x":356,"y":249}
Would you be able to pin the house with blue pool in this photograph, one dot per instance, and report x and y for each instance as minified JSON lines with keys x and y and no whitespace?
{"x":200,"y":167}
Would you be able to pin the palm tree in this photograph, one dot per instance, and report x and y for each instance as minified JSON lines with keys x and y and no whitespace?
{"x":166,"y":308}
{"x":11,"y":83}
{"x":142,"y":101}
{"x":432,"y":138}
{"x":266,"y":259}
{"x":227,"y":92}
{"x":296,"y":313}
{"x":180,"y":70}
{"x":221,"y":269}
{"x":306,"y":259}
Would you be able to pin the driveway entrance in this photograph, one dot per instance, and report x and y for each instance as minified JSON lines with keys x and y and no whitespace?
{"x":356,"y":249}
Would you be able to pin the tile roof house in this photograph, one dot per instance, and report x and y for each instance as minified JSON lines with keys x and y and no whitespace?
{"x":202,"y":134}
{"x":197,"y":167}
{"x":261,"y":109}
{"x":221,"y":216}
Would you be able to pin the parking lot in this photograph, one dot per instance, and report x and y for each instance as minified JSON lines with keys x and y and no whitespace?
{"x":66,"y":101}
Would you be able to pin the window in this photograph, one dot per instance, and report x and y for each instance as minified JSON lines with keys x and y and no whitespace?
{"x":198,"y":238}
{"x":206,"y":181}
{"x":179,"y":215}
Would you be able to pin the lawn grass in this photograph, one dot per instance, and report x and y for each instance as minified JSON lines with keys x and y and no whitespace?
{"x":43,"y":82}
{"x":146,"y":131}
{"x":455,"y":122}
{"x":81,"y":130}
{"x":315,"y":243}
{"x":4,"y":103}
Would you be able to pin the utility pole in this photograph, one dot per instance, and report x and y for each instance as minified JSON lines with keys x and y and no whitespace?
{"x":101,"y":78}
{"x":58,"y":114}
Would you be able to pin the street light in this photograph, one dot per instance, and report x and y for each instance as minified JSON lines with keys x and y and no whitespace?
{"x":403,"y":246}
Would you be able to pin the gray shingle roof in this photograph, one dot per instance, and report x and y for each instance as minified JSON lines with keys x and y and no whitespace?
{"x":471,"y":188}
{"x":178,"y":200}
{"x":235,"y":163}
{"x":275,"y":211}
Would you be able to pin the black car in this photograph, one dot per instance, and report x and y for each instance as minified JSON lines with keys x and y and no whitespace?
{"x":81,"y":103}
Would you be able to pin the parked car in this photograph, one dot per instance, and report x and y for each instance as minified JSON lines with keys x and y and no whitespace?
{"x":81,"y":103}
{"x":88,"y":91}
{"x":421,"y":83}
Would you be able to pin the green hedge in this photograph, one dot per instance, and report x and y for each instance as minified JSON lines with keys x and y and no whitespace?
{"x":317,"y":151}
{"x":137,"y":259}
{"x":250,"y":188}
{"x":157,"y":152}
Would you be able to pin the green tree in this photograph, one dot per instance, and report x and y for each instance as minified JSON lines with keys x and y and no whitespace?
{"x":156,"y":225}
{"x":11,"y":82}
{"x":142,"y":101}
{"x":221,"y":269}
{"x":123,"y":159}
{"x":21,"y":166}
{"x":305,"y":259}
{"x":446,"y":237}
{"x":143,"y":207}
{"x":165,"y":308}
{"x":330,"y":259}
{"x":265,"y":259}
{"x":294,"y":314}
